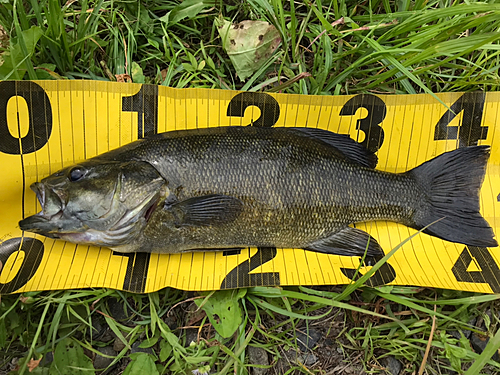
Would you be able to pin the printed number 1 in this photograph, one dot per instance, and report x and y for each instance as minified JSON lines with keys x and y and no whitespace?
{"x":137,"y":271}
{"x":145,"y":103}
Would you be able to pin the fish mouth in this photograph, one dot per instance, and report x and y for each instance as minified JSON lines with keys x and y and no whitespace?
{"x":50,"y":201}
{"x":52,"y":210}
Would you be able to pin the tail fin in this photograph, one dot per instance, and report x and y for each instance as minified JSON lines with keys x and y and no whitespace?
{"x":451,"y":184}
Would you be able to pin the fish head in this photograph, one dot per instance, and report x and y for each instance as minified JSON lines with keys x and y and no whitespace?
{"x":104,"y":203}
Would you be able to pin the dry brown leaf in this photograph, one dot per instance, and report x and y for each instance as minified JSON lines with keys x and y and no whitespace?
{"x":123,"y":78}
{"x":33,"y":364}
{"x":23,"y":299}
{"x":163,"y":73}
{"x":4,"y":38}
{"x":4,"y":41}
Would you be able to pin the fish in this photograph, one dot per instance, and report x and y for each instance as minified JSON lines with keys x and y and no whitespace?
{"x":235,"y":187}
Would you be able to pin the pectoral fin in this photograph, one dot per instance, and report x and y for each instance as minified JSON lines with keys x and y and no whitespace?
{"x":214,"y":209}
{"x":348,"y":242}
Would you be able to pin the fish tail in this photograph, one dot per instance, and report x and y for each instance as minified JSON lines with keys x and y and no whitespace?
{"x":449,"y":186}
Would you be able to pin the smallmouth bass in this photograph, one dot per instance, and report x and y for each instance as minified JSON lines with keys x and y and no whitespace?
{"x":235,"y":187}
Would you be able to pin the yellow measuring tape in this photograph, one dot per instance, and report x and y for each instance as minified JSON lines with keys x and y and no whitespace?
{"x":47,"y":125}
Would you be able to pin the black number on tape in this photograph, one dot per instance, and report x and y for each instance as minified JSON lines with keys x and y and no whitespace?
{"x":470,"y":131}
{"x":374,"y":138}
{"x":39,"y":112}
{"x":240,"y":276}
{"x":145,"y":103}
{"x":370,"y":125}
{"x":33,"y":253}
{"x":137,"y":271}
{"x":269,"y":107}
{"x":384,"y":275}
{"x":487,"y":273}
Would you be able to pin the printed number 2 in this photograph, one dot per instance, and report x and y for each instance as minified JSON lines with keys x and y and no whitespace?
{"x":240,"y":277}
{"x":269,"y":107}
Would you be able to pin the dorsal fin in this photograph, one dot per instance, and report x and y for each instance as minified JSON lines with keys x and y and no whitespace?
{"x":352,"y":150}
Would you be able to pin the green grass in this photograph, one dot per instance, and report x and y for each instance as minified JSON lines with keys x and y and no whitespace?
{"x":381,"y":46}
{"x":346,"y":47}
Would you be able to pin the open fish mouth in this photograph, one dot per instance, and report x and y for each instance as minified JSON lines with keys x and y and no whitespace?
{"x":52,"y":209}
{"x":50,"y":201}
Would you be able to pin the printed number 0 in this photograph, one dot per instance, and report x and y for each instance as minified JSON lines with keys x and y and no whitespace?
{"x":39,"y":131}
{"x":40,"y":117}
{"x":33,"y":253}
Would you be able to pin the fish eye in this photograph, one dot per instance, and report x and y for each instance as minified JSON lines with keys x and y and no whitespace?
{"x":76,"y":174}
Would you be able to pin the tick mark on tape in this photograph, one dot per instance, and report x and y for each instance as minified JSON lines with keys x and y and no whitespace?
{"x":498,"y":198}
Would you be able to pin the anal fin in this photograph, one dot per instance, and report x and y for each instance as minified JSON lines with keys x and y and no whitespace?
{"x":348,"y":242}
